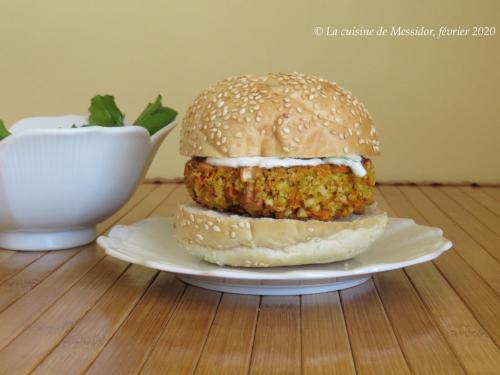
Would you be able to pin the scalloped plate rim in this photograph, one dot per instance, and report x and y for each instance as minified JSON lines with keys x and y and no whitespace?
{"x":288,"y":273}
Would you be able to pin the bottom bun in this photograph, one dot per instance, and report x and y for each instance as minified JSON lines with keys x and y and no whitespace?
{"x":234,"y":240}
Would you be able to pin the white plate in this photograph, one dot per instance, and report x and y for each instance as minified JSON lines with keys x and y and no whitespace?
{"x":151,"y":243}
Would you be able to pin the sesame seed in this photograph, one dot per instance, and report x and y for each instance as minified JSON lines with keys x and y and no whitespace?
{"x":216,"y":228}
{"x":286,"y":130}
{"x":199,"y":236}
{"x":346,"y":150}
{"x":232,"y":234}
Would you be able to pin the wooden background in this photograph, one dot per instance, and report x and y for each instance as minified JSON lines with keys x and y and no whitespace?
{"x":78,"y":310}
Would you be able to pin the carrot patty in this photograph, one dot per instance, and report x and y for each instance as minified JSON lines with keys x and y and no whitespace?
{"x":323,"y":192}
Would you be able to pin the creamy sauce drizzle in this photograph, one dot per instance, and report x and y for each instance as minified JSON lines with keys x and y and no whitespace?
{"x":351,"y":161}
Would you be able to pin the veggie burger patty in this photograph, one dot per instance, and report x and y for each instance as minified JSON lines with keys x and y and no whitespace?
{"x":323,"y":192}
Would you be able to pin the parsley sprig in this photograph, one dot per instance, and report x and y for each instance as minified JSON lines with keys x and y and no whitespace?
{"x":4,"y":133}
{"x":103,"y":111}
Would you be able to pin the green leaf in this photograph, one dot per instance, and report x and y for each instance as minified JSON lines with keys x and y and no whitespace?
{"x":150,"y":108}
{"x":4,"y":133}
{"x":104,"y":111}
{"x":155,"y":116}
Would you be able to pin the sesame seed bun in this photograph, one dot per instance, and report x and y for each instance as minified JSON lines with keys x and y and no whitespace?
{"x":280,"y":115}
{"x":228,"y":239}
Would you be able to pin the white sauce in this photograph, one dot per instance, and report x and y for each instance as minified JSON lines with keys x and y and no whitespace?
{"x":351,"y":161}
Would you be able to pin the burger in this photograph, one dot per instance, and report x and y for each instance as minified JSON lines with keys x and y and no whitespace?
{"x":279,"y":173}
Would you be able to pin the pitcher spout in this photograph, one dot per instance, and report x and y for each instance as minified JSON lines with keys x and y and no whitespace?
{"x":156,"y":141}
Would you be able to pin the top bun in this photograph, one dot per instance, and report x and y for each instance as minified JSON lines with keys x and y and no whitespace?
{"x":280,"y":115}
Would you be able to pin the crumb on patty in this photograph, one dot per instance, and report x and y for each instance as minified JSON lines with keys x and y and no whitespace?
{"x":323,"y":192}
